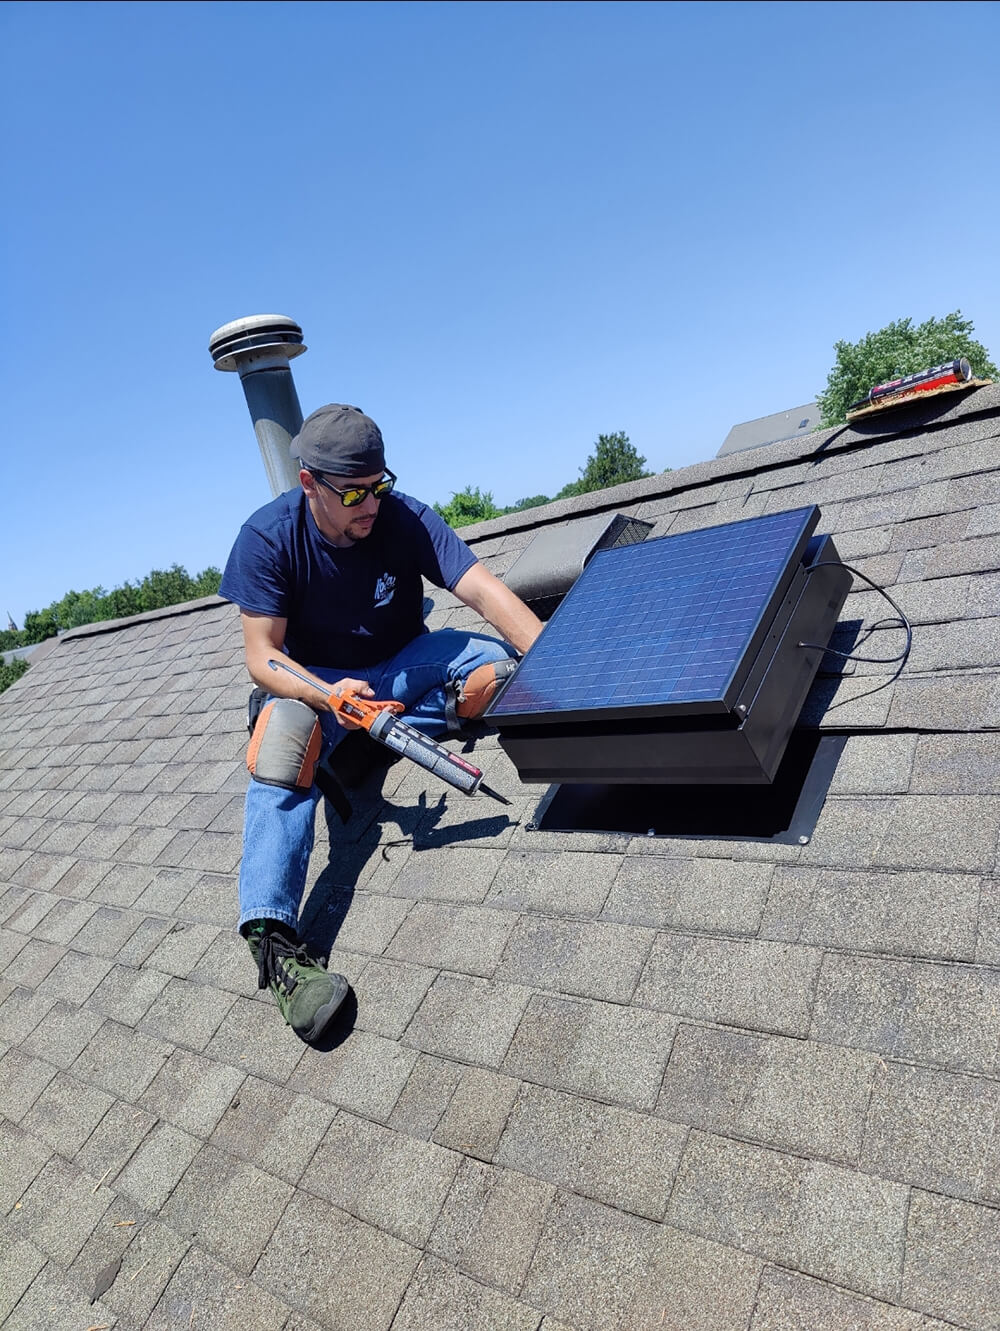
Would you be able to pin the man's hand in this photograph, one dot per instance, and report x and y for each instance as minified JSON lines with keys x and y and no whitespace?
{"x":343,"y":689}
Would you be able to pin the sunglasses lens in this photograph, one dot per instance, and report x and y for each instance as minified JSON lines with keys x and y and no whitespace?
{"x":351,"y":498}
{"x":381,"y":488}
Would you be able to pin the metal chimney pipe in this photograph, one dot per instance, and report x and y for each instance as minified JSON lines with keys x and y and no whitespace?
{"x":259,"y":348}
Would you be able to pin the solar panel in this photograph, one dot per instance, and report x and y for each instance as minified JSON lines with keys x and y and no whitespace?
{"x":669,"y":626}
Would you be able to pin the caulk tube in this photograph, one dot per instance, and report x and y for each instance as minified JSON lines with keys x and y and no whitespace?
{"x":410,"y":743}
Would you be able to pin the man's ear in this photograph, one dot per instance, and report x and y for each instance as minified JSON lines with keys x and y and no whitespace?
{"x":307,"y":481}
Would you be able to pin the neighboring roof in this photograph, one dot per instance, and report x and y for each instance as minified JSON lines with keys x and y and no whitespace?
{"x":596,"y":1083}
{"x":771,"y":429}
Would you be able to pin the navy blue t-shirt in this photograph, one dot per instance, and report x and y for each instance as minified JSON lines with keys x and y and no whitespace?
{"x":350,"y":606}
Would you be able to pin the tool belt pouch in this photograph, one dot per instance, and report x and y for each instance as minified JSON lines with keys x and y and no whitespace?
{"x":285,"y":744}
{"x":465,"y":699}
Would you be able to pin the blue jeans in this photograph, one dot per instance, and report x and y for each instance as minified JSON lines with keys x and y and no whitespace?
{"x":279,"y":823}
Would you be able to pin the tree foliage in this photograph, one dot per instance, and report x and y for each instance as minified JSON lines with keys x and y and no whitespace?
{"x":11,"y":670}
{"x":159,"y":588}
{"x":898,"y":348}
{"x":468,"y":506}
{"x":613,"y":462}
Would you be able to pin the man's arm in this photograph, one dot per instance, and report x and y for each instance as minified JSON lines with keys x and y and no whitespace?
{"x":483,"y":592}
{"x":264,"y":640}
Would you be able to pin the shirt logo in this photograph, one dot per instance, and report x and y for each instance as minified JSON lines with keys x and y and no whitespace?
{"x":385,"y":589}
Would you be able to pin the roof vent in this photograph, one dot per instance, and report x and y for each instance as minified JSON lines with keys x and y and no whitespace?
{"x":258,"y":349}
{"x":682,"y":660}
{"x":545,"y":571}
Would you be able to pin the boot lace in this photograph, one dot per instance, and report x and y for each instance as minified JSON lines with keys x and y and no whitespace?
{"x":275,"y":954}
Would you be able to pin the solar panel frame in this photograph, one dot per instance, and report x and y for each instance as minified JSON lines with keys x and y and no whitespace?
{"x":545,"y":690}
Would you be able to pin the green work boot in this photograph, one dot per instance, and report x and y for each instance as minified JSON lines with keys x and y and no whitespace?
{"x":308,"y":995}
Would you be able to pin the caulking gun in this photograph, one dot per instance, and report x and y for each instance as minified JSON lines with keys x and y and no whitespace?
{"x":381,"y":720}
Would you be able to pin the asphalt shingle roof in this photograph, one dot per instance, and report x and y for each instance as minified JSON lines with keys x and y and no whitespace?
{"x":596,"y":1082}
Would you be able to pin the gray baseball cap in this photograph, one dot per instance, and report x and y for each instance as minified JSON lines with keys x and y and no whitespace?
{"x":341,"y":440}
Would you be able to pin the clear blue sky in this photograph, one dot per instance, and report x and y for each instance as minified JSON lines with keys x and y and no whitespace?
{"x":505,"y":228}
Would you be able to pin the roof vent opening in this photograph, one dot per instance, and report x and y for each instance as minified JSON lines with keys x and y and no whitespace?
{"x":785,"y":812}
{"x":681,"y":661}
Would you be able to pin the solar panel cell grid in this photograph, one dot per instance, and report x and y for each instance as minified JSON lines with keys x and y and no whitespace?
{"x":665,"y":624}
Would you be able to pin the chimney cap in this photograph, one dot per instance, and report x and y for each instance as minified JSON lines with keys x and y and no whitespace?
{"x":270,"y":334}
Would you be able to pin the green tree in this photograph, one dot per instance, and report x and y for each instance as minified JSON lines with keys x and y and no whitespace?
{"x":39,"y":625}
{"x":613,"y":462}
{"x":898,"y":348}
{"x":11,"y":670}
{"x":533,"y":501}
{"x":467,"y":506}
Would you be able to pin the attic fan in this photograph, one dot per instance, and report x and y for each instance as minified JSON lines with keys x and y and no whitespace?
{"x":678,"y":660}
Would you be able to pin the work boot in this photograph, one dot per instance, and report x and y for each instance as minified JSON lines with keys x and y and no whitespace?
{"x":308,"y":995}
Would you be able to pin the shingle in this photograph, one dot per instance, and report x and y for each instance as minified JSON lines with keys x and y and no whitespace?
{"x":389,"y":993}
{"x":468,"y":939}
{"x":715,"y":895}
{"x":213,"y":899}
{"x":192,"y":1092}
{"x":67,"y":1113}
{"x":22,"y":1157}
{"x":936,"y":1130}
{"x":978,"y":553}
{"x":107,"y":931}
{"x":20,"y":1012}
{"x":254,"y":1038}
{"x":115,"y":1140}
{"x":951,"y":1260}
{"x":22,"y":1081}
{"x":477,"y":1112}
{"x":788,"y":1301}
{"x":597,"y":1049}
{"x":29,"y":960}
{"x":20,"y":1262}
{"x":264,"y":1124}
{"x":960,"y":701}
{"x":182,"y":948}
{"x":849,"y":832}
{"x":924,"y":1011}
{"x":695,"y":1285}
{"x":759,"y":985}
{"x":988,"y":938}
{"x":59,"y":1210}
{"x":157,"y":1166}
{"x":52,"y":1301}
{"x":820,"y":1218}
{"x":120,"y":1060}
{"x":335,"y":1267}
{"x":570,"y":883}
{"x":396,"y":1182}
{"x":948,"y":832}
{"x":439,"y":1296}
{"x":593,"y":959}
{"x":365,"y":1074}
{"x":590,"y":1263}
{"x":187,"y":1014}
{"x":425,"y":1097}
{"x":230,"y":1204}
{"x":371,"y":922}
{"x":616,"y":1156}
{"x":62,"y":1034}
{"x":905,"y":913}
{"x":956,"y":764}
{"x":967,"y":644}
{"x":206,"y":1287}
{"x":874,"y":765}
{"x":468,"y":1019}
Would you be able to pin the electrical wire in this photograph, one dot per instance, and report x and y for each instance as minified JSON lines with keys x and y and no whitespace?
{"x":899,"y":622}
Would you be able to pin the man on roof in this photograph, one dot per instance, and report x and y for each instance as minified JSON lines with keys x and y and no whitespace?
{"x":329,"y":579}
